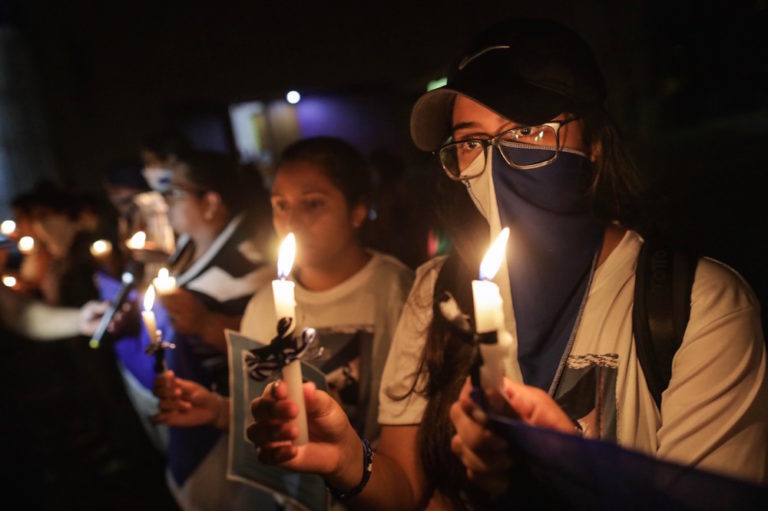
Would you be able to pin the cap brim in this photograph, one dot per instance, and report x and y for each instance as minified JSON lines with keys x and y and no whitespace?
{"x":431,"y":115}
{"x":431,"y":118}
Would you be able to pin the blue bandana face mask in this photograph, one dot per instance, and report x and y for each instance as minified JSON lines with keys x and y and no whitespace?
{"x":553,"y":242}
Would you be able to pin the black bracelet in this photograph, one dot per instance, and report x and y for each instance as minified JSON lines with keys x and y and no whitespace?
{"x":367,"y":469}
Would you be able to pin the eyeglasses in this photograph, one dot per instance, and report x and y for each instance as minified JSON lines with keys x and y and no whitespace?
{"x":465,"y":159}
{"x":178,"y":192}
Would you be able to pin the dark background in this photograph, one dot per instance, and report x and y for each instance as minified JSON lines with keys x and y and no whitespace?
{"x":85,"y":81}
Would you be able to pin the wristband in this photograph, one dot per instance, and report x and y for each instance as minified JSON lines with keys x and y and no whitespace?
{"x":367,"y":469}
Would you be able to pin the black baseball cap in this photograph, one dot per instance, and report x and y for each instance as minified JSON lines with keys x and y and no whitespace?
{"x":527,"y":70}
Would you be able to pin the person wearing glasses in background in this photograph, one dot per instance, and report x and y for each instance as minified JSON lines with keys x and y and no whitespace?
{"x":521,"y":127}
{"x":218,"y":208}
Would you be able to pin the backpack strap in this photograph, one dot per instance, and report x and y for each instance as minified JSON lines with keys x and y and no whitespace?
{"x":662,"y":305}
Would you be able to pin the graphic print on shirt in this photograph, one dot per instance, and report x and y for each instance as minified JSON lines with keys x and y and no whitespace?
{"x":343,"y":354}
{"x":587,"y":393}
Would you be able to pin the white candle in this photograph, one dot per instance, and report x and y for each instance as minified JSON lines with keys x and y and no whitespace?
{"x":164,"y":283}
{"x":148,"y":315}
{"x":489,"y":314}
{"x":285,"y":307}
{"x":26,"y":244}
{"x":137,"y":241}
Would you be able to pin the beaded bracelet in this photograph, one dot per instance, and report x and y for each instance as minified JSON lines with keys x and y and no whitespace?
{"x":367,"y":469}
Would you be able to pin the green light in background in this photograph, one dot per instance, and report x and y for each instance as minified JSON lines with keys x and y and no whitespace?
{"x":434,"y":84}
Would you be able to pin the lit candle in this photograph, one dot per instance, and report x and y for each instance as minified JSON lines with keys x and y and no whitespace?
{"x":285,"y":307}
{"x":148,"y":315}
{"x":164,"y":283}
{"x":489,"y":314}
{"x":137,"y":241}
{"x":8,"y":227}
{"x":101,"y":248}
{"x":26,"y":244}
{"x":282,"y":288}
{"x":9,"y":281}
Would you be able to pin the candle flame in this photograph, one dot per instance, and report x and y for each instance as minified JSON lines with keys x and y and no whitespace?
{"x":494,"y":256}
{"x":9,"y":281}
{"x":162,"y":273}
{"x":100,"y":247}
{"x":149,"y":298}
{"x":8,"y":227}
{"x":26,"y":244}
{"x":286,"y":255}
{"x":138,"y":240}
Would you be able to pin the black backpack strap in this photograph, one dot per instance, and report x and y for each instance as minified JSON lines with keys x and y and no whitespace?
{"x":662,"y":305}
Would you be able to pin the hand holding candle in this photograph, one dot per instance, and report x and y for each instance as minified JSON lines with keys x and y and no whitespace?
{"x":489,"y":315}
{"x":157,"y":345}
{"x":285,"y":307}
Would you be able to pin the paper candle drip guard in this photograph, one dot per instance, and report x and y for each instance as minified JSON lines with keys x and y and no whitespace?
{"x":281,"y":351}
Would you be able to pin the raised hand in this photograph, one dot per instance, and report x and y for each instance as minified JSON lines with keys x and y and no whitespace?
{"x":90,"y":316}
{"x":487,"y":457}
{"x":187,"y":403}
{"x":333,"y":443}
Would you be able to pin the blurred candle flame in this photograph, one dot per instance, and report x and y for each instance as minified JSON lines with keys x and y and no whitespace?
{"x":149,"y":298}
{"x":8,"y":227}
{"x":138,"y":240}
{"x":286,"y":255}
{"x":100,"y":248}
{"x":26,"y":244}
{"x":492,"y":260}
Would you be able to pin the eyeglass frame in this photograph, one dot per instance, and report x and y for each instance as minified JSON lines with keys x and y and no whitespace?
{"x":176,"y":192}
{"x":494,"y":141}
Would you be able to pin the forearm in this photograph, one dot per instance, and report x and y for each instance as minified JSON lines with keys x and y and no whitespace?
{"x":43,"y":322}
{"x":396,"y":482}
{"x":37,"y":320}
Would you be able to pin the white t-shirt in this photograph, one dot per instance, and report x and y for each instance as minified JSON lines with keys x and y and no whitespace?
{"x":358,"y":316}
{"x":714,"y":414}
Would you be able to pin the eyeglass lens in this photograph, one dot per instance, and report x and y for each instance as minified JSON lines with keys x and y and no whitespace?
{"x":460,"y":159}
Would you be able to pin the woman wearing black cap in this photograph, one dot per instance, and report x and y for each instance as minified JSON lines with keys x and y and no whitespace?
{"x":521,"y":126}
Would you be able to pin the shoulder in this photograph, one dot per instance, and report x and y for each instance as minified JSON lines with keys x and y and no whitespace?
{"x":725,"y":321}
{"x":259,"y":305}
{"x":426,"y":276}
{"x":389,"y":276}
{"x":390,"y":266}
{"x":719,"y":285}
{"x":429,"y":270}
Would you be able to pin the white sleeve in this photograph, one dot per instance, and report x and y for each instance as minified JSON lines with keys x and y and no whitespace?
{"x":398,"y":405}
{"x":715,"y":410}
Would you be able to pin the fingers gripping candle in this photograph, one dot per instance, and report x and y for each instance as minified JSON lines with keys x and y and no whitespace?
{"x":285,"y":307}
{"x":489,"y":315}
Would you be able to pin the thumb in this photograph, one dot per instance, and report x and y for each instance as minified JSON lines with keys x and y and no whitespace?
{"x":317,"y":404}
